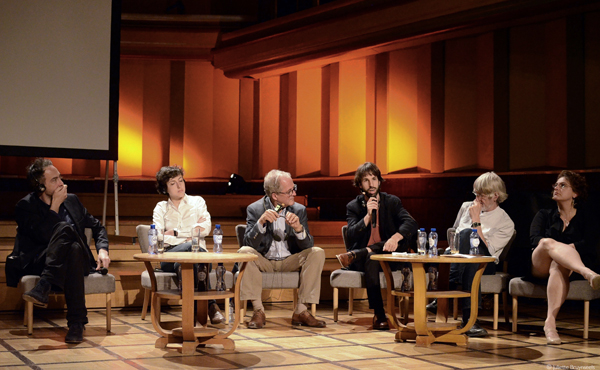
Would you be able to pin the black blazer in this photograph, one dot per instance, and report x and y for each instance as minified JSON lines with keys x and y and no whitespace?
{"x":36,"y":221}
{"x":262,"y":242}
{"x":393,"y":218}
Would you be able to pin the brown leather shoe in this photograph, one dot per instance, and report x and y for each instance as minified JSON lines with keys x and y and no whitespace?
{"x":258,"y":320}
{"x":380,"y":324}
{"x":215,"y":315}
{"x":305,"y":318}
{"x":346,"y":259}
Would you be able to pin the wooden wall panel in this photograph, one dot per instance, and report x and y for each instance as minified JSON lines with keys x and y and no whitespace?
{"x":156,"y":104}
{"x":308,"y":123}
{"x":269,"y":125}
{"x":424,"y":111}
{"x":131,"y":117}
{"x":246,"y":128}
{"x":402,"y":109}
{"x":198,"y":120}
{"x":176,"y":113}
{"x":381,"y":77}
{"x":352,"y":115}
{"x":592,"y":92}
{"x":226,"y":102}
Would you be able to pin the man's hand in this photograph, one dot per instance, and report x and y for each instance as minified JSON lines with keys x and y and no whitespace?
{"x":392,"y":243}
{"x":270,"y":215}
{"x":294,"y":221}
{"x":103,"y":259}
{"x":475,"y":211}
{"x":58,"y":197}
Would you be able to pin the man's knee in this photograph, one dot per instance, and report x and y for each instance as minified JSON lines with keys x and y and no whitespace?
{"x":316,"y":253}
{"x":247,"y":249}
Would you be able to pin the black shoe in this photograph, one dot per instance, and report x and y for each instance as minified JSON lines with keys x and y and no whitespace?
{"x":476,"y":331}
{"x":432,"y":307}
{"x":380,"y":324}
{"x":75,"y":333}
{"x":39,"y":294}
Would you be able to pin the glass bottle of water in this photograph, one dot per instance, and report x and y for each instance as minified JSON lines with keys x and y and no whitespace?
{"x":474,"y":243}
{"x":433,"y":241}
{"x":421,"y":241}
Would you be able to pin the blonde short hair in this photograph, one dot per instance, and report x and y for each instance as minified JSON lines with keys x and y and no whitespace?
{"x":271,"y":182}
{"x":490,"y":183}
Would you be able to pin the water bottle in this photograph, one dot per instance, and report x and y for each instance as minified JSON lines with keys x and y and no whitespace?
{"x":433,"y":241}
{"x":152,"y":240}
{"x":474,"y":243}
{"x":220,"y":277}
{"x":218,"y":239}
{"x":421,"y":241}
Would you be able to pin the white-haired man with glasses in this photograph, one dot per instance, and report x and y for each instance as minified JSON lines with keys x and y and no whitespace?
{"x":494,"y":227}
{"x":277,"y":232}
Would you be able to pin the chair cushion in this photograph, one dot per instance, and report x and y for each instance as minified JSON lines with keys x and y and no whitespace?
{"x":94,"y":283}
{"x":494,"y":284}
{"x":166,"y":280}
{"x":579,"y":290}
{"x":355,"y":279}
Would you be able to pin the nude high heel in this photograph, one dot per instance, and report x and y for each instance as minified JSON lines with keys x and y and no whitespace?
{"x":594,"y":281}
{"x":552,"y":337}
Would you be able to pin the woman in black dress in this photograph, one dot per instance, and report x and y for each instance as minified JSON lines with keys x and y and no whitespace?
{"x":558,"y":238}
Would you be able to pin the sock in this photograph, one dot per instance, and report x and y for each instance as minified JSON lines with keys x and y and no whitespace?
{"x":301,"y":307}
{"x":257,"y":305}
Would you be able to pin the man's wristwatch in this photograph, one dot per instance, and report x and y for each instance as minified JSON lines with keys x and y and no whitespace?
{"x":475,"y":224}
{"x":175,"y":233}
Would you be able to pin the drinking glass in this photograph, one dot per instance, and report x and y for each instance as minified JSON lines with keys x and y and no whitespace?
{"x":195,"y":241}
{"x":161,"y":243}
{"x":453,"y":241}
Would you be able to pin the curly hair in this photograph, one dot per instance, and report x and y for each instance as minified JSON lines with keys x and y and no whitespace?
{"x":35,"y":173}
{"x":164,"y":175}
{"x":365,"y":169}
{"x":578,"y":184}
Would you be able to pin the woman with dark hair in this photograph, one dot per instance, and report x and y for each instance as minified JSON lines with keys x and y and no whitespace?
{"x":180,"y":217}
{"x":558,"y":237}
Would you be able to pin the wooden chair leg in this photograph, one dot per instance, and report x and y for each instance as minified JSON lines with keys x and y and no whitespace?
{"x":586,"y":319}
{"x":350,"y":301}
{"x":295,"y":299}
{"x":496,"y":304}
{"x":29,"y":310}
{"x":335,"y":304}
{"x":145,"y":304}
{"x":243,"y":310}
{"x":313,"y":309}
{"x":108,"y":312}
{"x":455,"y":308}
{"x":226,"y":310}
{"x":405,"y":309}
{"x":25,"y":314}
{"x":505,"y":306}
{"x":514,"y":312}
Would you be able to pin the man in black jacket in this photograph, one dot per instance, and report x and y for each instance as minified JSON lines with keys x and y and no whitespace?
{"x":377,"y":223}
{"x":51,"y":243}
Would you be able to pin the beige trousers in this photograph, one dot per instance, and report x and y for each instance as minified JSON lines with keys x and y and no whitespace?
{"x":309,"y":261}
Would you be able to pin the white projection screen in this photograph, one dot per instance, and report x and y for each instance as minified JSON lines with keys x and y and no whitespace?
{"x":59,"y":78}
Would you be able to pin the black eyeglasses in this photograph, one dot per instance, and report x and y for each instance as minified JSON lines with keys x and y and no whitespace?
{"x":289,"y":192}
{"x":561,"y":185}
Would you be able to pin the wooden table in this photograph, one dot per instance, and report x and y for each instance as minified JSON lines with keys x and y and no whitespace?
{"x":189,"y":335}
{"x":422,"y":331}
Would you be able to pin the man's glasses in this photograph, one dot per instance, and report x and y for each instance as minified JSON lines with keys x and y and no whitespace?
{"x":289,"y":192}
{"x":479,"y":195}
{"x":561,"y":185}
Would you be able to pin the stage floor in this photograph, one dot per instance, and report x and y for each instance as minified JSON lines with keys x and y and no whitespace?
{"x":348,"y":344}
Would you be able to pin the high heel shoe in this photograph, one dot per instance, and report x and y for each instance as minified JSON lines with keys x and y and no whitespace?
{"x":594,"y":281}
{"x":552,"y":337}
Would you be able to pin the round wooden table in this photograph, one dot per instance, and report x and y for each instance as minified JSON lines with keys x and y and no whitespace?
{"x":189,"y":335}
{"x":421,"y":330}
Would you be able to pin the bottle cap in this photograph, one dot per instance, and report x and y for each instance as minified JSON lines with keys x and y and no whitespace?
{"x":422,"y":229}
{"x":220,"y":264}
{"x":218,"y":226}
{"x":475,"y":231}
{"x":153,"y":226}
{"x":433,"y":229}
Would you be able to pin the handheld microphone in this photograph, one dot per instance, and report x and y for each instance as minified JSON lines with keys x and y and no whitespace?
{"x":103,"y":270}
{"x":374,"y":218}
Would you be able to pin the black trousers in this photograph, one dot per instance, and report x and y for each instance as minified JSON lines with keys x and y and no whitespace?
{"x":65,"y":265}
{"x":372,"y":269}
{"x":464,"y":273}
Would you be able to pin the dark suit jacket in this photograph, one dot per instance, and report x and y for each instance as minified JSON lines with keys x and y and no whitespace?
{"x":262,"y":242}
{"x":36,"y":222}
{"x":393,"y":218}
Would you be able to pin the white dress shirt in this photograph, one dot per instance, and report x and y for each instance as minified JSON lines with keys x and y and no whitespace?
{"x":185,"y":218}
{"x":279,"y":250}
